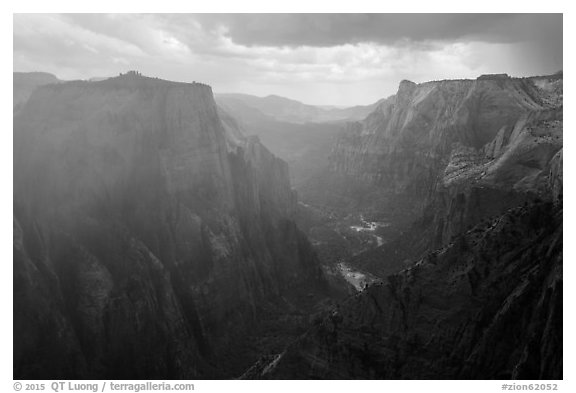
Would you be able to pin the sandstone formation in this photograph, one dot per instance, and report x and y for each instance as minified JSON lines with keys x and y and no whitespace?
{"x":149,"y":234}
{"x":434,"y":137}
{"x":443,"y":155}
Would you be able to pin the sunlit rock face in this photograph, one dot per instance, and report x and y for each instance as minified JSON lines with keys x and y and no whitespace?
{"x":458,"y":150}
{"x":148,"y":233}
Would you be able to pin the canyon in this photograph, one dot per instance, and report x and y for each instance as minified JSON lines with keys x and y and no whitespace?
{"x":467,"y":270}
{"x":164,"y":232}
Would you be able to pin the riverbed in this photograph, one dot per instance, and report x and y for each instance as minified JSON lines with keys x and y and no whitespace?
{"x":370,"y":227}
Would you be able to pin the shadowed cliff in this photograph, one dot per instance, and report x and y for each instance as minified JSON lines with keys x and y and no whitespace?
{"x":149,"y":236}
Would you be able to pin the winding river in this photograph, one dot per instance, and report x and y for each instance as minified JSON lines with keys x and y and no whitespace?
{"x":356,"y":278}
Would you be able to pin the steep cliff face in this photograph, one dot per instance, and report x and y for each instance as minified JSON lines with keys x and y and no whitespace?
{"x":488,"y":305}
{"x":457,"y":150}
{"x":148,"y":233}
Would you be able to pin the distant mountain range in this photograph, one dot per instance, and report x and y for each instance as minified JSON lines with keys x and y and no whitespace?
{"x":247,"y":107}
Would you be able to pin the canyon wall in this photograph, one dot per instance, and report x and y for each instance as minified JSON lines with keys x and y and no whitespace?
{"x":148,"y":232}
{"x":453,"y":152}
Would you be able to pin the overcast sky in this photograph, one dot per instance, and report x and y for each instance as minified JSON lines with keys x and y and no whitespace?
{"x":329,"y":59}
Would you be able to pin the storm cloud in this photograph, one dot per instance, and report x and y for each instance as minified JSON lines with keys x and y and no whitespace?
{"x":342,"y":59}
{"x":337,"y":29}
